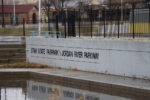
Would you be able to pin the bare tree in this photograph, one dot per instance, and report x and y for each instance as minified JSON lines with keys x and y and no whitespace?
{"x":50,"y":6}
{"x":47,"y":6}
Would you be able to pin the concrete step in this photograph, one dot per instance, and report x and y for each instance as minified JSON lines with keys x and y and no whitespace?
{"x":12,"y":60}
{"x":12,"y":55}
{"x":12,"y":45}
{"x":12,"y":50}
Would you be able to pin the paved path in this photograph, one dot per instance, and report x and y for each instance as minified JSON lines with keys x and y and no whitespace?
{"x":117,"y":80}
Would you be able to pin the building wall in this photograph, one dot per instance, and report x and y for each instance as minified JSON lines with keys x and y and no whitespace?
{"x":30,"y":14}
{"x":6,"y":17}
{"x":118,"y":57}
{"x":21,"y":16}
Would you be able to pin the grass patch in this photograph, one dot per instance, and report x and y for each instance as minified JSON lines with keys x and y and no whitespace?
{"x":15,"y":31}
{"x":18,"y":31}
{"x":11,"y":31}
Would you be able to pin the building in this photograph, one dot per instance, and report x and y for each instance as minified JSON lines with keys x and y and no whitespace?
{"x":9,"y":2}
{"x":27,"y":12}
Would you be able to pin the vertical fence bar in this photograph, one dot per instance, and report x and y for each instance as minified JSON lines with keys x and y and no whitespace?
{"x":57,"y":28}
{"x":149,"y":18}
{"x":110,"y":22}
{"x":79,"y":21}
{"x":24,"y":27}
{"x":62,"y":3}
{"x":74,"y":26}
{"x":91,"y":19}
{"x":104,"y":23}
{"x":118,"y":23}
{"x":138,"y":33}
{"x":49,"y":19}
{"x":68,"y":24}
{"x":65,"y":23}
{"x":99,"y":33}
{"x":64,"y":14}
{"x":3,"y":19}
{"x":133,"y":18}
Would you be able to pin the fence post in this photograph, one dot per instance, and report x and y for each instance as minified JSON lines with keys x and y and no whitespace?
{"x":118,"y":23}
{"x":24,"y":27}
{"x":133,"y":18}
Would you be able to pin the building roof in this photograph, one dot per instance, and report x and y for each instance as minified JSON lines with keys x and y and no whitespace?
{"x":19,"y":8}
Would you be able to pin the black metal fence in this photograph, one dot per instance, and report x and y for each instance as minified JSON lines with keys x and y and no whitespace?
{"x":92,"y":21}
{"x":107,"y":23}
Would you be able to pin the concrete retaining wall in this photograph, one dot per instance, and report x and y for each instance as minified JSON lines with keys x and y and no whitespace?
{"x":118,"y":57}
{"x":10,"y":40}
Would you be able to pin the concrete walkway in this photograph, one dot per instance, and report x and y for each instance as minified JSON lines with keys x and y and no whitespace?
{"x":109,"y":79}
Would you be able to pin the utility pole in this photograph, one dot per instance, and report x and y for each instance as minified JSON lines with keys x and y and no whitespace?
{"x":3,"y":20}
{"x":39,"y":17}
